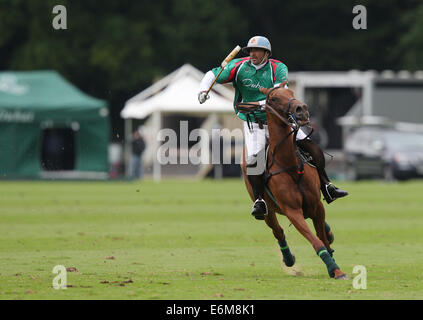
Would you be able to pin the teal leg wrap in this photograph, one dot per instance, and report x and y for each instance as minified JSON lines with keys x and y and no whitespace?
{"x":328,"y":260}
{"x":288,"y":259}
{"x":327,"y":227}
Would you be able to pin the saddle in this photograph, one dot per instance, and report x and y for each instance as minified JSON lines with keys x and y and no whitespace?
{"x":303,"y":156}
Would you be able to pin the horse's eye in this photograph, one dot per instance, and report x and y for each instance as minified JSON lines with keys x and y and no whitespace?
{"x":273,"y":99}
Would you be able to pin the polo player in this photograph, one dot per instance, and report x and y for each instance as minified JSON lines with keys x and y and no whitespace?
{"x":248,"y":75}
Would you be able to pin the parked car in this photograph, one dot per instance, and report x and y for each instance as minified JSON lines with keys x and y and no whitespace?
{"x":385,"y":153}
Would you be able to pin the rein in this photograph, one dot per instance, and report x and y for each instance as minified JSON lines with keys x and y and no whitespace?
{"x":252,"y":107}
{"x":291,"y":121}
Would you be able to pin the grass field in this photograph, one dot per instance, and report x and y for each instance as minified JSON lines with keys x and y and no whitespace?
{"x":197,"y":240}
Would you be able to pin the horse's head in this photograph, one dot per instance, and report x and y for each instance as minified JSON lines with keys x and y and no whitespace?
{"x":282,"y":101}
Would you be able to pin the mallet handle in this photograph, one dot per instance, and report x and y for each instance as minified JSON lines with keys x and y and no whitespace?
{"x":230,"y":56}
{"x":224,"y":63}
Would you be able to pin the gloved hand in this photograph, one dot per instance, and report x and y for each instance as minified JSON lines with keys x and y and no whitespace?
{"x":203,"y":96}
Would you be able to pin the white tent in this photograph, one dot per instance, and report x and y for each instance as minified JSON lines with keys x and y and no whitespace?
{"x":175,"y":93}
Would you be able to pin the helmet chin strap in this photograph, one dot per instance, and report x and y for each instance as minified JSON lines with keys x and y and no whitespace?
{"x":262,"y":62}
{"x":266,"y":55}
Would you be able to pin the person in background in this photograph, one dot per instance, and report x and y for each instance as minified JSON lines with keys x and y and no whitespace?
{"x":138,"y":146}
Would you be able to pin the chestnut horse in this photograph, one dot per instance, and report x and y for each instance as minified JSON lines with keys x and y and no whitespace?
{"x":295,"y":186}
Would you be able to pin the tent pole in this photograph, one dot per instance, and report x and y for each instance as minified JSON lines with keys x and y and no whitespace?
{"x":367,"y":97}
{"x":128,"y":147}
{"x":157,"y":124}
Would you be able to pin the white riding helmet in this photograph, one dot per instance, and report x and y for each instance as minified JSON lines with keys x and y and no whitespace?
{"x":258,"y":42}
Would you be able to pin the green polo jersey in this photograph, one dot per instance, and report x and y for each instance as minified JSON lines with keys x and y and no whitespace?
{"x":247,"y":80}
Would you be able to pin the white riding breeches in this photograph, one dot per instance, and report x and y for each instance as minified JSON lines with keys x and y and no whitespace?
{"x":255,"y":139}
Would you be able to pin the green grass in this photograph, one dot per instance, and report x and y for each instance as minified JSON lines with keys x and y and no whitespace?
{"x":197,"y":240}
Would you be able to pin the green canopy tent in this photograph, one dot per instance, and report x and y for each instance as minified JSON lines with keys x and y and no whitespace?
{"x":36,"y":103}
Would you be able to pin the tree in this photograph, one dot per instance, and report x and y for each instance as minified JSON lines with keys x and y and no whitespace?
{"x":114,"y":49}
{"x":410,"y":48}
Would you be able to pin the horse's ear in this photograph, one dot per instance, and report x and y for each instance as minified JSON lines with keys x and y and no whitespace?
{"x":283,"y":84}
{"x":264,"y":90}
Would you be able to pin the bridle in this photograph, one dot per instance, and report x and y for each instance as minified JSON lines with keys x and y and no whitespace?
{"x":290,"y":119}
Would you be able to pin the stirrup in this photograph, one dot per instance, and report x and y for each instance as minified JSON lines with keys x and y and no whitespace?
{"x":259,"y":215}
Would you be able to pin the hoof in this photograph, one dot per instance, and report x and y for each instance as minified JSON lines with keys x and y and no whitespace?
{"x":290,"y":264}
{"x":342,"y":277}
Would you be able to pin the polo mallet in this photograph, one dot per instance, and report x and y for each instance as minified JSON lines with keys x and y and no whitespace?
{"x":230,"y":56}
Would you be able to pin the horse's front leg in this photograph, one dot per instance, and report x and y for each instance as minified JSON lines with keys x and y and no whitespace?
{"x":297,"y":219}
{"x":272,"y":221}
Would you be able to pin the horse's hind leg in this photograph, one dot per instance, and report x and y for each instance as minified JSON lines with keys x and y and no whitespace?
{"x":320,"y":225}
{"x":272,"y":221}
{"x":297,"y":219}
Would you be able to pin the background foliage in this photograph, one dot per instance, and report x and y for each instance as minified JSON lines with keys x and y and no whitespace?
{"x":113,"y":49}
